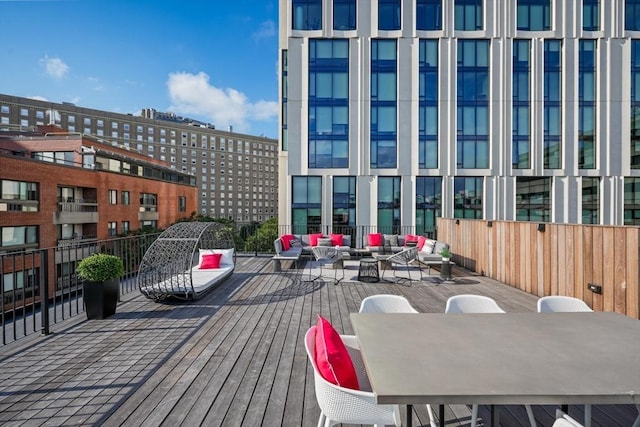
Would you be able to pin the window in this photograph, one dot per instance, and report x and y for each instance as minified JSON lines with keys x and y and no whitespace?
{"x":590,"y":200}
{"x":26,"y":235}
{"x":344,"y":15}
{"x":534,"y":15}
{"x":631,"y":201}
{"x":383,"y":103}
{"x":587,"y":105}
{"x":533,"y":199}
{"x":521,"y":105}
{"x":552,"y":104}
{"x":112,"y":228}
{"x":388,"y":15}
{"x":113,"y":197}
{"x":468,"y":15}
{"x":19,"y":196}
{"x":467,"y":197}
{"x":328,"y":103}
{"x":428,"y":105}
{"x":428,"y":15}
{"x":590,"y":15}
{"x":473,"y":104}
{"x":182,"y":204}
{"x":632,"y":15}
{"x":126,"y":197}
{"x":125,"y":227}
{"x":307,"y":14}
{"x":306,"y":205}
{"x":428,"y":203}
{"x":148,"y":202}
{"x":344,"y":204}
{"x":389,"y":205}
{"x":635,"y":104}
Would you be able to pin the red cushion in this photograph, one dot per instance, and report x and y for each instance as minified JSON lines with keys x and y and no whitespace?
{"x":375,"y":239}
{"x":410,"y":238}
{"x":286,"y":241}
{"x":336,"y":239}
{"x":332,"y":357}
{"x":421,"y":241}
{"x":210,"y":261}
{"x":313,"y":239}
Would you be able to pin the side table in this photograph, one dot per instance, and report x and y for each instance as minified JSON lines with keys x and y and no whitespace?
{"x":368,"y":270}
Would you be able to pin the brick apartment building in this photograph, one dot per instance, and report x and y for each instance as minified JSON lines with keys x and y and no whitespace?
{"x":60,"y":188}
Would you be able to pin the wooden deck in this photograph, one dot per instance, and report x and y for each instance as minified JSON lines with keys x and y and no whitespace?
{"x":235,"y":357}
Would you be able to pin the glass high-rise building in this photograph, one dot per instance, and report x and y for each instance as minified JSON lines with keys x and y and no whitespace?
{"x":396,"y":112}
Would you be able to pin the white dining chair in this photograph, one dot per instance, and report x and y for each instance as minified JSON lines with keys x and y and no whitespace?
{"x":385,"y":303}
{"x":559,"y":303}
{"x":468,"y":303}
{"x":564,"y":420}
{"x":342,"y":405}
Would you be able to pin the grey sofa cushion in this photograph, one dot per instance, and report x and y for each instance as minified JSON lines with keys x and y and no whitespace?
{"x":324,"y":241}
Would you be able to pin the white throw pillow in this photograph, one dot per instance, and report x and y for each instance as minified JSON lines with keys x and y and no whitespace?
{"x":227,"y":255}
{"x":428,"y":246}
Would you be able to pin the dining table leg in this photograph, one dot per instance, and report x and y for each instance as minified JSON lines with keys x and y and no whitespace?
{"x":441,"y":415}
{"x":409,"y":415}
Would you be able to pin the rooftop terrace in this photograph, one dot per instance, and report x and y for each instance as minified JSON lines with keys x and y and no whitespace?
{"x":235,"y":357}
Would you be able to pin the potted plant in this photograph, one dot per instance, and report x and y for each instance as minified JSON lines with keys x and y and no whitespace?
{"x":100,"y":274}
{"x":445,"y":253}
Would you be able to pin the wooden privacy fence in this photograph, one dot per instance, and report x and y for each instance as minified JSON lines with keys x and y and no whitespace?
{"x":552,"y":259}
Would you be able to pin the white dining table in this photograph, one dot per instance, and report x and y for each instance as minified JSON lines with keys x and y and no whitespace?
{"x":500,"y":359}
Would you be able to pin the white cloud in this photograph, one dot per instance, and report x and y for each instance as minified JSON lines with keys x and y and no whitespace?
{"x":54,"y":67}
{"x":193,"y":94}
{"x":265,"y":30}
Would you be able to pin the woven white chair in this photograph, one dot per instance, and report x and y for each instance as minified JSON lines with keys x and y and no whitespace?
{"x":564,"y":420}
{"x":403,"y":258}
{"x":467,"y":303}
{"x":558,"y":303}
{"x":327,"y":255}
{"x":385,"y":303}
{"x":343,"y":405}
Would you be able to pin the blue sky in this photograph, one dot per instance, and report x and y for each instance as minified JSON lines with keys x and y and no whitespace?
{"x":211,"y":60}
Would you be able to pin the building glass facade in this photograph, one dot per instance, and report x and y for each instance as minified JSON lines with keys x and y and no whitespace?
{"x":534,"y":15}
{"x":468,"y":15}
{"x":552,"y":104}
{"x":467,"y":197}
{"x":428,"y":202}
{"x":587,"y":105}
{"x":533,"y":199}
{"x":632,"y":201}
{"x":344,"y":204}
{"x":591,"y":15}
{"x":344,"y":15}
{"x":635,"y":104}
{"x":307,"y":204}
{"x":473,"y":104}
{"x":632,"y":15}
{"x":590,"y":200}
{"x":521,"y":105}
{"x":384,"y":108}
{"x":428,"y":15}
{"x":389,"y":204}
{"x":389,"y":16}
{"x":307,"y":15}
{"x":428,"y":105}
{"x":328,"y":103}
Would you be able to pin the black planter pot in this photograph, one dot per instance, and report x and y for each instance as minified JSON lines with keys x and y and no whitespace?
{"x":100,"y":298}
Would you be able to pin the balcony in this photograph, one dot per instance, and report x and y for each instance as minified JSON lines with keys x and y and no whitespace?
{"x":76,"y":211}
{"x":234,"y":358}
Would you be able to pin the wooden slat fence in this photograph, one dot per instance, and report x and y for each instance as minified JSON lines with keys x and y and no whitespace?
{"x":559,"y":260}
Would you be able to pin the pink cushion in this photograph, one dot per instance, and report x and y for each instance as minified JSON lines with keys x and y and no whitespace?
{"x":332,"y":357}
{"x":286,"y":241}
{"x":336,"y":239}
{"x":210,"y":261}
{"x":375,"y":239}
{"x":313,"y":239}
{"x":410,"y":238}
{"x":421,"y":242}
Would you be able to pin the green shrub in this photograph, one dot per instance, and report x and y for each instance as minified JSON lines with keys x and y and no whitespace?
{"x":100,"y":268}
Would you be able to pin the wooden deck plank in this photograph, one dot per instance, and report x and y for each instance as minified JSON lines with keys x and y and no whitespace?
{"x":235,"y":357}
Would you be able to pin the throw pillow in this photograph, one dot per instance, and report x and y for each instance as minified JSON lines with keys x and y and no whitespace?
{"x":410,"y":238}
{"x":428,"y":246}
{"x":336,"y":239}
{"x":286,"y":241}
{"x":210,"y":261}
{"x":313,"y":239}
{"x":421,"y":241}
{"x":375,"y":239}
{"x":332,"y":357}
{"x":324,"y":241}
{"x":227,"y":255}
{"x":392,"y":239}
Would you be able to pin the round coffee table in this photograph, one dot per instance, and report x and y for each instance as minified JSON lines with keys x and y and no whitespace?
{"x":368,"y":270}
